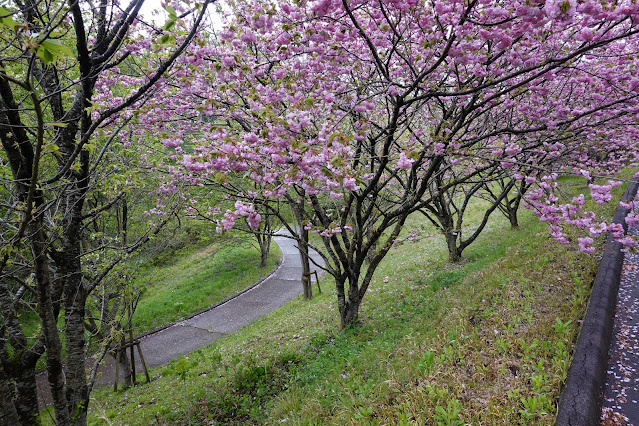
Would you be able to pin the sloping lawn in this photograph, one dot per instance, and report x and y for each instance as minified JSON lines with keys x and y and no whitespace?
{"x":484,"y":341}
{"x":197,"y":281}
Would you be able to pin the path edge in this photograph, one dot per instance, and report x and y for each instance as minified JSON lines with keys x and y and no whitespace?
{"x":582,"y":395}
{"x":211,"y":307}
{"x":190,"y":316}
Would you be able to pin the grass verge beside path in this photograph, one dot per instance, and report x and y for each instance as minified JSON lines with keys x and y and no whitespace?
{"x":197,"y":281}
{"x":485,"y":341}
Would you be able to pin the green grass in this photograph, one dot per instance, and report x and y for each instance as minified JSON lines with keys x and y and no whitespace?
{"x":192,"y":270}
{"x":196,"y":281}
{"x":484,"y":341}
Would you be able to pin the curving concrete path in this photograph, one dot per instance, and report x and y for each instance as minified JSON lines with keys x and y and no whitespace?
{"x":189,"y":334}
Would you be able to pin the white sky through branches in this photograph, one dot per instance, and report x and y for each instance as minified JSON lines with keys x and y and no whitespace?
{"x":149,"y":6}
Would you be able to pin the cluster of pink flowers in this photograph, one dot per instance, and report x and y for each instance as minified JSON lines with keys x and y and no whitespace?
{"x":303,"y":96}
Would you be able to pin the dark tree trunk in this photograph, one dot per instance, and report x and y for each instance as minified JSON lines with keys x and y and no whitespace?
{"x":452,"y":236}
{"x":125,"y":221}
{"x":18,"y":369}
{"x":350,"y":314}
{"x":454,"y":253}
{"x":306,"y":265}
{"x":77,"y":392}
{"x":348,"y":302}
{"x":349,"y":310}
{"x":512,"y":217}
{"x":75,"y":299}
{"x":302,"y":246}
{"x":265,"y":248}
{"x":514,"y":208}
{"x":8,"y":411}
{"x":510,"y":207}
{"x":27,"y":394}
{"x":49,"y":321}
{"x":371,"y":252}
{"x":342,"y":305}
{"x":264,"y":236}
{"x":125,"y":364}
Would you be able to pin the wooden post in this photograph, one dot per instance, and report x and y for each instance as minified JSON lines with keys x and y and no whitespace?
{"x":131,"y":337}
{"x":146,"y":371}
{"x":117,"y":369}
{"x":118,"y":353}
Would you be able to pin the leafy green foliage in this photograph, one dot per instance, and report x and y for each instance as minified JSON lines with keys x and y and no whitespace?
{"x":6,"y":19}
{"x":168,"y":26}
{"x":50,"y":50}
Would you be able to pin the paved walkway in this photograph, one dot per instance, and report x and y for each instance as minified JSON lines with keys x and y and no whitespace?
{"x":621,"y":397}
{"x":187,"y":335}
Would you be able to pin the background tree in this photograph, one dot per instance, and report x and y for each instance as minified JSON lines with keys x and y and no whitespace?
{"x":207,"y":200}
{"x":448,"y":206}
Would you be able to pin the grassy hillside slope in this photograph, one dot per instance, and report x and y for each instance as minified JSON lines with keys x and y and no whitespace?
{"x":194,"y":281}
{"x":485,"y":341}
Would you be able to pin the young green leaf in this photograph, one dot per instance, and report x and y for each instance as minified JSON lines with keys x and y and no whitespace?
{"x":56,"y":48}
{"x":169,"y":24}
{"x":172,"y":13}
{"x":6,"y":19}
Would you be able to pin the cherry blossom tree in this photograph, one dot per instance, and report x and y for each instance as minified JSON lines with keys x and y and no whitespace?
{"x":71,"y":77}
{"x":366,"y":112}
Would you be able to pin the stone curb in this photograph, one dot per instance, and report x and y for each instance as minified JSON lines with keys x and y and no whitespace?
{"x":582,"y":395}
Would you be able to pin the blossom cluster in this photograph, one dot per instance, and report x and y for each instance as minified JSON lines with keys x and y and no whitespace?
{"x":342,"y":99}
